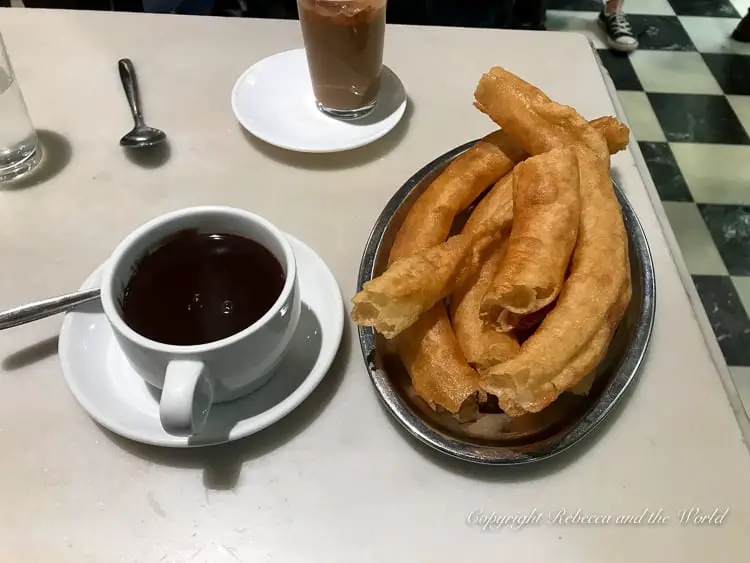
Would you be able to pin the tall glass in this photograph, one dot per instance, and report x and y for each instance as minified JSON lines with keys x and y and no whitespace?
{"x":344,"y":46}
{"x":19,"y":145}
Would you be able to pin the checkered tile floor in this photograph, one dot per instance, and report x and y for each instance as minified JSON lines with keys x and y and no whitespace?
{"x":686,"y":93}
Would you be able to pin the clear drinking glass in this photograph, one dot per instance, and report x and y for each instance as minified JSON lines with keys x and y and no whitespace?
{"x":344,"y":46}
{"x":19,"y":145}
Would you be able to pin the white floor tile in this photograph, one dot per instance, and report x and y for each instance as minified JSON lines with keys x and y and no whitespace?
{"x":651,"y":7}
{"x":580,"y":22}
{"x":741,"y":106}
{"x":674,"y":72}
{"x":741,"y":378}
{"x":697,"y":246}
{"x":712,"y":35}
{"x":641,"y":117}
{"x":715,"y":173}
{"x":742,"y":283}
{"x":742,"y":6}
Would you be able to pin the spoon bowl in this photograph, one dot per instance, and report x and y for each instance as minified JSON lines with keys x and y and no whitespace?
{"x":141,"y":137}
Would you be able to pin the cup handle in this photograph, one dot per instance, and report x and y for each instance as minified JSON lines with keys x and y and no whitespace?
{"x":186,"y":397}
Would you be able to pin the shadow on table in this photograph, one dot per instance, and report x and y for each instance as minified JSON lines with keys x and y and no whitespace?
{"x":30,"y":354}
{"x":57,"y":152}
{"x":515,"y":473}
{"x":222,"y":464}
{"x":43,"y":349}
{"x":337,"y":160}
{"x":150,"y":157}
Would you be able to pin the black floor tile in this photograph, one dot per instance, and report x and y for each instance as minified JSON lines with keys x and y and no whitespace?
{"x":620,"y":69}
{"x":665,"y":172}
{"x":729,"y":226}
{"x":698,"y":118}
{"x":708,"y":8}
{"x":660,"y":33}
{"x":732,"y":72}
{"x":577,"y":5}
{"x":727,"y":316}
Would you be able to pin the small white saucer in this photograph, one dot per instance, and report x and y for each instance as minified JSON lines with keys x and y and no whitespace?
{"x":274,"y":101}
{"x":104,"y":383}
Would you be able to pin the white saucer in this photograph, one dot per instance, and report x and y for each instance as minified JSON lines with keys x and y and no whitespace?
{"x":274,"y":101}
{"x":104,"y":383}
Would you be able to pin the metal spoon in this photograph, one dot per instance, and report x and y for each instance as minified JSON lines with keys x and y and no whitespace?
{"x":141,"y":135}
{"x":41,"y":309}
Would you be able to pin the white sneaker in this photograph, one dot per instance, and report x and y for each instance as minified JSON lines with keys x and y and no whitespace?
{"x":619,"y":33}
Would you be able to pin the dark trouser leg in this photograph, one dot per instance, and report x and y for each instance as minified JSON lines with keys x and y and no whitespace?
{"x":464,"y":13}
{"x":529,"y":14}
{"x":119,"y":5}
{"x":69,"y":4}
{"x":282,"y":9}
{"x":128,"y":5}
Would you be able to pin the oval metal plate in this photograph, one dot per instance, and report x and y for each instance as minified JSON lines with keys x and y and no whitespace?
{"x":497,"y":439}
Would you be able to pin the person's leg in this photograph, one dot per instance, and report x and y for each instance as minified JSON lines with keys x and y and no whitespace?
{"x":196,"y":7}
{"x":69,"y":4}
{"x":281,"y":9}
{"x":529,"y":14}
{"x":190,"y":7}
{"x":464,"y":13}
{"x":613,"y":6}
{"x":127,"y":5}
{"x":617,"y":27}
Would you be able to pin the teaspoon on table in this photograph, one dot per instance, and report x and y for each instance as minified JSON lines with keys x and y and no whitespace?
{"x":141,"y":135}
{"x":42,"y":309}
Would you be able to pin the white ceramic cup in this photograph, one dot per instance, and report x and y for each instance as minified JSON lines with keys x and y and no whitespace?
{"x":193,"y":377}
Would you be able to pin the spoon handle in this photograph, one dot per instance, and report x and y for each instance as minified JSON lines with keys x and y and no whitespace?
{"x":42,"y":309}
{"x":130,"y":84}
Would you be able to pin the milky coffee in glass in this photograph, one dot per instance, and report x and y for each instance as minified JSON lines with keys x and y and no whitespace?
{"x":344,"y":47}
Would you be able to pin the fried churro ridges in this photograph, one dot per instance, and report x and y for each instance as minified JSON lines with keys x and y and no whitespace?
{"x":599,"y":271}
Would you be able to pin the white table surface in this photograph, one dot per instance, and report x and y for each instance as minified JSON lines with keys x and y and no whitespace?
{"x":337,"y":481}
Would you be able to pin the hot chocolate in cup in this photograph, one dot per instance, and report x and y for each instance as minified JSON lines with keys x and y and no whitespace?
{"x":344,"y":47}
{"x":203,"y":302}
